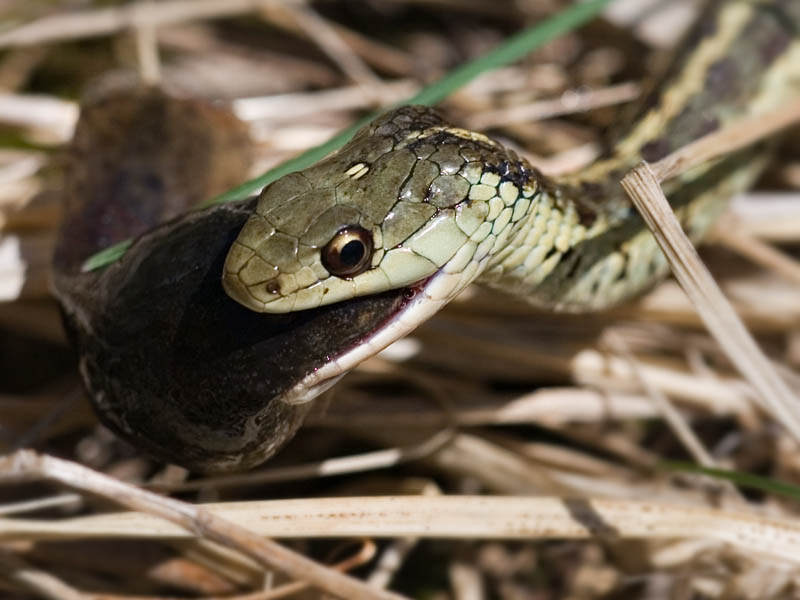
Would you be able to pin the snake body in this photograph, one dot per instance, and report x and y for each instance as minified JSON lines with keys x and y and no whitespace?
{"x":429,"y":205}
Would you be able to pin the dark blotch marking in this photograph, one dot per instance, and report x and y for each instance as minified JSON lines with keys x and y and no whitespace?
{"x":515,"y":170}
{"x":552,"y":252}
{"x":655,"y":150}
{"x":774,"y":48}
{"x":574,"y":260}
{"x":584,"y":513}
{"x":724,"y":73}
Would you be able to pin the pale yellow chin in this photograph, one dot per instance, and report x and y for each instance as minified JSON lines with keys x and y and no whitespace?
{"x":330,"y":290}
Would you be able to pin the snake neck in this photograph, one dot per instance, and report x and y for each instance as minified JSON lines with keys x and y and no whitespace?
{"x":581,"y":245}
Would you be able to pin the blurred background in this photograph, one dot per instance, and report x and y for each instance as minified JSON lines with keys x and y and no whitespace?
{"x":545,"y":405}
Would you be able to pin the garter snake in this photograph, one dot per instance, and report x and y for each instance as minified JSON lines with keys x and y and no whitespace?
{"x":378,"y":237}
{"x":414,"y":202}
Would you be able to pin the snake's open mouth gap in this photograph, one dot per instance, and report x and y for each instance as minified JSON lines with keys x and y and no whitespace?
{"x":412,"y":307}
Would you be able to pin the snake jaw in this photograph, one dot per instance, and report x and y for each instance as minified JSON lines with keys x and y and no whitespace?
{"x":417,"y":308}
{"x":422,"y":300}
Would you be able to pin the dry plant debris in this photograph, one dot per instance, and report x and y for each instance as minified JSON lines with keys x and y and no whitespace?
{"x":450,"y":456}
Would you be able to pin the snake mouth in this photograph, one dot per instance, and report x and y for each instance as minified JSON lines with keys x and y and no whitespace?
{"x":198,"y":379}
{"x":413,"y":305}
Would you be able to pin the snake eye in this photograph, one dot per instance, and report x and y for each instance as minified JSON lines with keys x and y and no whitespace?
{"x":349,"y":252}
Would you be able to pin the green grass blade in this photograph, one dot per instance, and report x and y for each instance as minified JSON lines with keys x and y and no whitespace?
{"x":106,"y":256}
{"x":299,"y":162}
{"x":510,"y":50}
{"x":740,"y":478}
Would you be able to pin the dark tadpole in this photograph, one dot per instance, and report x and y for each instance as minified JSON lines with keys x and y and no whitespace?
{"x":170,"y":362}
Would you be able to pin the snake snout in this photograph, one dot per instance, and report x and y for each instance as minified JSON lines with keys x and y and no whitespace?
{"x":256,"y":284}
{"x":238,"y":261}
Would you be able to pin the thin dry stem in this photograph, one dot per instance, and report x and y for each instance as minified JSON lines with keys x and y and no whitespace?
{"x":46,"y":113}
{"x":328,"y":39}
{"x":569,"y":102}
{"x":396,"y":553}
{"x":718,"y":314}
{"x":59,"y":501}
{"x":104,"y":21}
{"x":147,"y":54}
{"x":384,"y":56}
{"x":455,"y":517}
{"x":293,"y":106}
{"x":550,"y":406}
{"x":744,"y":133}
{"x":365,"y":553}
{"x":761,"y":253}
{"x":368,"y":461}
{"x":670,"y":413}
{"x":44,"y":584}
{"x":26,"y":465}
{"x":773,"y":216}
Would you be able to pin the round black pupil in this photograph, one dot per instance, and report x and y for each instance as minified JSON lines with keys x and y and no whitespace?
{"x":352,"y":253}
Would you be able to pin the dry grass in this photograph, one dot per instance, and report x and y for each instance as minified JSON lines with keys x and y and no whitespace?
{"x":527,"y":444}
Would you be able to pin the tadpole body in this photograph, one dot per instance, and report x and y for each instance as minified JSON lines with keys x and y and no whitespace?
{"x":169,"y":361}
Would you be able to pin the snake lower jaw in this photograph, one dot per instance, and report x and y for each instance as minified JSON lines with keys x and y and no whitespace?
{"x":414,"y":304}
{"x":421,"y":300}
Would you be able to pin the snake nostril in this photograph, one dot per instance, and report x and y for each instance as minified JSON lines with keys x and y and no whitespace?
{"x":273,"y":287}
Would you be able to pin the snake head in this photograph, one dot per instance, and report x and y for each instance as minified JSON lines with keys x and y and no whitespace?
{"x":402,"y":203}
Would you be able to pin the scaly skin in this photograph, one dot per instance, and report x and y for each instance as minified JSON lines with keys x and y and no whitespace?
{"x":443,"y":201}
